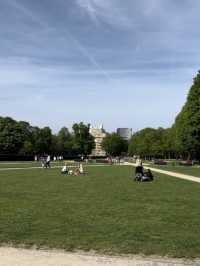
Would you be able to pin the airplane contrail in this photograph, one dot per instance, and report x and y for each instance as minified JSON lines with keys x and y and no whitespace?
{"x":92,"y":60}
{"x":77,"y":43}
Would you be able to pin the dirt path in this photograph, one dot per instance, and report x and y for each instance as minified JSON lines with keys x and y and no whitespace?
{"x":170,"y":173}
{"x":26,"y":257}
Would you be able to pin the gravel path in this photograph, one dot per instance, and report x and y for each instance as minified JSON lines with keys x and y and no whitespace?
{"x":25,"y":257}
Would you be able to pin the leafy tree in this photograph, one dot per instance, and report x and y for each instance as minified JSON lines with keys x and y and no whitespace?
{"x":151,"y":142}
{"x":187,"y":123}
{"x":114,"y":144}
{"x":82,"y":142}
{"x":11,"y":136}
{"x":141,"y":143}
{"x":27,"y":148}
{"x":64,"y":141}
{"x":42,"y":140}
{"x":27,"y":136}
{"x":27,"y":130}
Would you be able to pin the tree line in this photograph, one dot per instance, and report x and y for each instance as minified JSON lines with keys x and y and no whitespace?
{"x":20,"y":138}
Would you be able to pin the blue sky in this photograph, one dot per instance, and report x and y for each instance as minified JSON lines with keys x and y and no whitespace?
{"x":121,"y":63}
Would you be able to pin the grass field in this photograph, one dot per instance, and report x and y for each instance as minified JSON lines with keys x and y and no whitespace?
{"x":104,"y":211}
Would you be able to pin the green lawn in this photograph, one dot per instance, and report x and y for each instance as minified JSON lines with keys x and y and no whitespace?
{"x":104,"y":211}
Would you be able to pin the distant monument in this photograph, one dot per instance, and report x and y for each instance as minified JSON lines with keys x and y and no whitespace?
{"x":99,"y":134}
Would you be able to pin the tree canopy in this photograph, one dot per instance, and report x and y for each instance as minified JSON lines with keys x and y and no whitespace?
{"x":114,"y":145}
{"x":187,"y":123}
{"x":20,"y":138}
{"x":151,"y":142}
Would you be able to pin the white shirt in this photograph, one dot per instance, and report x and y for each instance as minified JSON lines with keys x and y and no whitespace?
{"x":64,"y":169}
{"x":138,"y":162}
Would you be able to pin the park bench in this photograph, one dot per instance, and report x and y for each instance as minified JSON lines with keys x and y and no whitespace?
{"x":160,"y":162}
{"x":186,"y":163}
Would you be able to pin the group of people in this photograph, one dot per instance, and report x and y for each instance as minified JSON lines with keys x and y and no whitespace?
{"x":46,"y":163}
{"x":140,"y":174}
{"x":77,"y":171}
{"x":58,"y":158}
{"x":44,"y":157}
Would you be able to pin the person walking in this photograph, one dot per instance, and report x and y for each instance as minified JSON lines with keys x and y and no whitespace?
{"x":48,"y":160}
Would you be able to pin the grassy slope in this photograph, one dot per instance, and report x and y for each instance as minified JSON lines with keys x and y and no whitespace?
{"x":104,"y":211}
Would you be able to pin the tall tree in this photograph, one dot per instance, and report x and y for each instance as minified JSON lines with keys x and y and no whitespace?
{"x":83,"y":141}
{"x":187,"y":123}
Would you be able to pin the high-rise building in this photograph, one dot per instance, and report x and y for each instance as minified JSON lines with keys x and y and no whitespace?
{"x":125,"y":133}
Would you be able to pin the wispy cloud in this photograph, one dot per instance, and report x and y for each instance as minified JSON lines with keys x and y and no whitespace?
{"x":105,"y":11}
{"x":91,"y":58}
{"x":89,"y":7}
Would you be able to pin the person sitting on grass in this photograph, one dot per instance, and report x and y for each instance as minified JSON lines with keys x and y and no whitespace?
{"x":65,"y":169}
{"x":79,"y":170}
{"x":70,"y":172}
{"x":149,"y":173}
{"x":76,"y":172}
